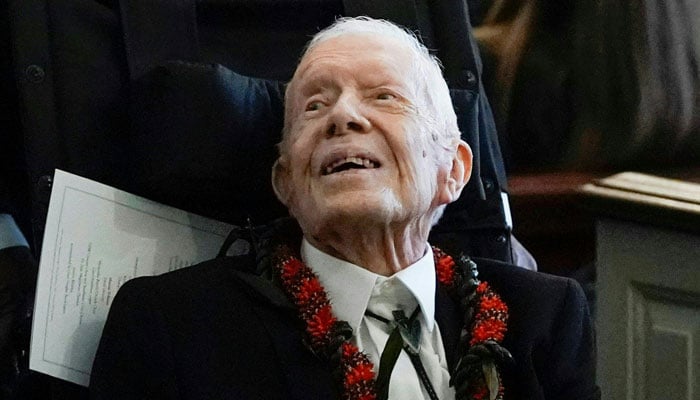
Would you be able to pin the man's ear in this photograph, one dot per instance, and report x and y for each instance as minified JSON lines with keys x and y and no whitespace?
{"x":459,"y":173}
{"x":280,"y":179}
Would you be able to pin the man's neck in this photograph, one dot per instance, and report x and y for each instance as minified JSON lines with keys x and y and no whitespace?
{"x":383,"y":251}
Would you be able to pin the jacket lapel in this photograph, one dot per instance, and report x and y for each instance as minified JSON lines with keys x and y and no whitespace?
{"x":450,"y":321}
{"x":264,"y":288}
{"x":306,"y":376}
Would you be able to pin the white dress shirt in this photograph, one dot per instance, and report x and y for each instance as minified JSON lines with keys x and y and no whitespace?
{"x":352,"y":289}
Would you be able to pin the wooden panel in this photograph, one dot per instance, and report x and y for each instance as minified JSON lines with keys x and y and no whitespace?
{"x":648,"y":311}
{"x":665,"y":333}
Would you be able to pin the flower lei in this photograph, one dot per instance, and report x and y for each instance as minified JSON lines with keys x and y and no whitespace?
{"x":331,"y":338}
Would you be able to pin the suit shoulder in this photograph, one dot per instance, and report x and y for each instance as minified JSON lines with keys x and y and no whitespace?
{"x":208,"y":277}
{"x":520,"y":279}
{"x":549,"y":332}
{"x":531,"y":292}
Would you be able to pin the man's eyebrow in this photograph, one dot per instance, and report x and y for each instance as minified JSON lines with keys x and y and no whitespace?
{"x":316,"y":84}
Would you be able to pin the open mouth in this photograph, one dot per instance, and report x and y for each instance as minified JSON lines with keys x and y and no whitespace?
{"x":348,"y":163}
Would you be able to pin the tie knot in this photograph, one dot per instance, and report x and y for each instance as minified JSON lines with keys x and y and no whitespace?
{"x":388,"y":295}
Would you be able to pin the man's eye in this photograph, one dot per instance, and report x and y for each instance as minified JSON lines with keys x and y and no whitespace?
{"x":385,"y":96}
{"x":314,"y":106}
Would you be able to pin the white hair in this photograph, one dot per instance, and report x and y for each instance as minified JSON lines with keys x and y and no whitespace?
{"x":434,"y":107}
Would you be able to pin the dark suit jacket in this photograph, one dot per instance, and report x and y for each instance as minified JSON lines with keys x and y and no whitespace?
{"x":213,"y":331}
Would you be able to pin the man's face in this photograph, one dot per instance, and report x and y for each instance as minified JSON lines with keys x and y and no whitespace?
{"x":356,"y":147}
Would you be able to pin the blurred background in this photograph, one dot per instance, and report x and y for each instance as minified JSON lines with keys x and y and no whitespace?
{"x":580,"y":90}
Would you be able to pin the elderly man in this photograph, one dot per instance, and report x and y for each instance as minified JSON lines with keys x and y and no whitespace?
{"x":347,"y":300}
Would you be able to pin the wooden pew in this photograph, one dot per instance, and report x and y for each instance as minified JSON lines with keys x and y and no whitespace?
{"x":648,"y":286}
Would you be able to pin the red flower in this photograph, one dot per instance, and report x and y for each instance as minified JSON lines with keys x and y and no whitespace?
{"x":492,"y":329}
{"x":358,"y":373}
{"x":290,"y":268}
{"x":307,"y":290}
{"x":492,"y":303}
{"x":349,"y":349}
{"x":321,"y":323}
{"x":482,"y":288}
{"x":445,"y":270}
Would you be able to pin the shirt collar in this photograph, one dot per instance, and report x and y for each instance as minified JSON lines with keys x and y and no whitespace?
{"x":349,"y":286}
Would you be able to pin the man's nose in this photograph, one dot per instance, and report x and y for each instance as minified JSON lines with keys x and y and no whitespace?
{"x":347,"y":116}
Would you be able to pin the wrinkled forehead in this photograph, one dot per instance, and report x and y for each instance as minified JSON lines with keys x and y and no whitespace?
{"x":363,"y":55}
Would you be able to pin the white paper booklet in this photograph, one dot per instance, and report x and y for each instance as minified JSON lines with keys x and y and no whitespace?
{"x":97,"y":238}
